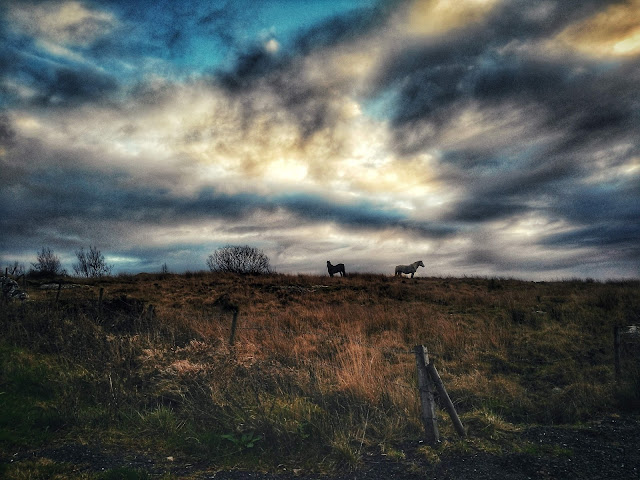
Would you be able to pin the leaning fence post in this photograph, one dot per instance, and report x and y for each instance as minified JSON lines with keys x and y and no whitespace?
{"x":444,"y":396}
{"x":425,"y":386}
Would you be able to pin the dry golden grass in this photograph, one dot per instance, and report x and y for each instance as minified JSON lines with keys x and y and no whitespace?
{"x":325,"y":364}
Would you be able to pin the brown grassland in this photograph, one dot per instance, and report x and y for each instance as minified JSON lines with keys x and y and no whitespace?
{"x":320,"y":373}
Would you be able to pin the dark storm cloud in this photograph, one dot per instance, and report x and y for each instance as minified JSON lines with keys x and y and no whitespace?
{"x":67,"y":86}
{"x":526,"y":20}
{"x":509,"y":193}
{"x":362,"y":214}
{"x":585,"y":105}
{"x":7,"y":133}
{"x":476,"y":64}
{"x":261,"y":74}
{"x":32,"y":202}
{"x":622,"y":236}
{"x":605,"y":217}
{"x":580,"y":97}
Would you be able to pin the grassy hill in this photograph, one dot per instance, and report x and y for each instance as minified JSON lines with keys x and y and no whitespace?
{"x":321,"y":370}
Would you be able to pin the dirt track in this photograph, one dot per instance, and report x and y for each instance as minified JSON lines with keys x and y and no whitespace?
{"x":608,"y":449}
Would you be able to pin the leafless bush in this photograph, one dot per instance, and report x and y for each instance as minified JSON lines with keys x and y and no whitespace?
{"x":239,"y":259}
{"x":48,"y":263}
{"x":91,"y":263}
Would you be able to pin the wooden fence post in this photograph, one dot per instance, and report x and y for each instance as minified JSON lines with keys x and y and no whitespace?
{"x":58,"y":292}
{"x":425,"y":386}
{"x":234,"y":324}
{"x":616,"y":351}
{"x":444,"y":396}
{"x":100,"y":296}
{"x":225,"y":306}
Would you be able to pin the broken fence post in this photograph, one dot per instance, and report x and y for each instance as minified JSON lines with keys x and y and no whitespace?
{"x":444,"y":396}
{"x":427,"y":402}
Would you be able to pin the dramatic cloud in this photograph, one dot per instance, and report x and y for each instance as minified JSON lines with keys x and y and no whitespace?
{"x":493,"y":137}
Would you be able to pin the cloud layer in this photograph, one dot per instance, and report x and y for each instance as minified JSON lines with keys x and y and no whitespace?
{"x":485,"y":138}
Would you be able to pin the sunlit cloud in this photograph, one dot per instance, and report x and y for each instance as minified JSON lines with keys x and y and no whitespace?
{"x":68,"y":23}
{"x":615,"y":32}
{"x":434,"y":17}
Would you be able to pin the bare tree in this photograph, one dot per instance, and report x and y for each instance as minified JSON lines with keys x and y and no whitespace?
{"x":47,"y":263}
{"x":91,"y":263}
{"x":239,"y":259}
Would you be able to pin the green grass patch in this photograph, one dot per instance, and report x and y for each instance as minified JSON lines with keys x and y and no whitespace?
{"x":29,"y":399}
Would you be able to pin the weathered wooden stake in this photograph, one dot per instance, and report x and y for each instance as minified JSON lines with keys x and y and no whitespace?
{"x":234,"y":324}
{"x":58,"y":292}
{"x":100,"y":296}
{"x":616,"y":351}
{"x":425,"y":386}
{"x":444,"y":396}
{"x":150,"y":314}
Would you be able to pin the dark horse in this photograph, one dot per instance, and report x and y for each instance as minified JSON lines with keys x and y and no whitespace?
{"x":339,"y":268}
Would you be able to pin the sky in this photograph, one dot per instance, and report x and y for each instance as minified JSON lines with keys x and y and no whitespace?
{"x":483,"y":137}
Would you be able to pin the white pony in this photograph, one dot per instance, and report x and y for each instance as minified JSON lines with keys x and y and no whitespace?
{"x":400,"y":269}
{"x":339,"y":268}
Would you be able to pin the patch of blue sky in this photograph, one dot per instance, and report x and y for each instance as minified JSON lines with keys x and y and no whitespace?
{"x":381,"y":107}
{"x":292,"y":16}
{"x":280,"y":21}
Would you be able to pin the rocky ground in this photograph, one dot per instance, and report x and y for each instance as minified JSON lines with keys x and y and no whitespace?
{"x":607,"y":449}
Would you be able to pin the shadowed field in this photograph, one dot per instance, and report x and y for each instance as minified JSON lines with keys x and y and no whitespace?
{"x":320,"y":373}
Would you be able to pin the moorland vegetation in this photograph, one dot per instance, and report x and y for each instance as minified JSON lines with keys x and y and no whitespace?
{"x":320,"y":372}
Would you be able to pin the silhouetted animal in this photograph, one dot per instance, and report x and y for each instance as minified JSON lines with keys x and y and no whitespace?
{"x":339,"y":268}
{"x":400,"y":269}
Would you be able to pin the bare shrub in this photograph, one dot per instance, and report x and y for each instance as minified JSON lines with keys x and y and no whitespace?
{"x":48,"y":263}
{"x":239,"y":259}
{"x":91,"y":264}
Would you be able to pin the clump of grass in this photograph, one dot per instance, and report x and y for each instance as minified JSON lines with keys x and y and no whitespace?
{"x":487,"y":424}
